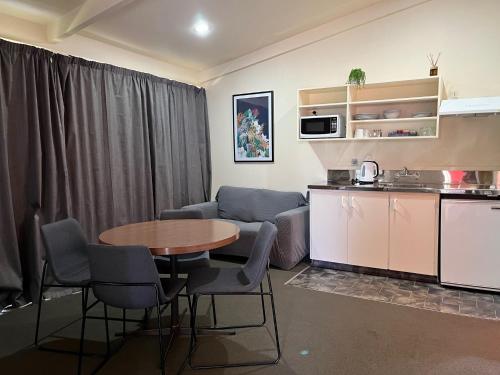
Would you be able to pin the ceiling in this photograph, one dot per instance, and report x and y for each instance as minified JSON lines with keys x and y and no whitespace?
{"x":38,"y":10}
{"x":56,"y":7}
{"x":162,"y":28}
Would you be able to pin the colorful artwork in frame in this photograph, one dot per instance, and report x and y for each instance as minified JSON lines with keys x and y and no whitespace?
{"x":253,"y":136}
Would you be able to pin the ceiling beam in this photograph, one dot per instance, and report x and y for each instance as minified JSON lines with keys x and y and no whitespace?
{"x":88,"y":13}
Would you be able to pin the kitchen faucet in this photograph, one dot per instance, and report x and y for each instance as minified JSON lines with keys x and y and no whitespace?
{"x":406,"y":173}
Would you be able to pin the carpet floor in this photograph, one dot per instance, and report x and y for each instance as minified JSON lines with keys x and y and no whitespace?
{"x":320,"y":333}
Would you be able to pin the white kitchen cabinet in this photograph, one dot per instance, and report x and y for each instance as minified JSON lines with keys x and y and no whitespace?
{"x":368,"y":229}
{"x":329,"y":225}
{"x":413,"y":231}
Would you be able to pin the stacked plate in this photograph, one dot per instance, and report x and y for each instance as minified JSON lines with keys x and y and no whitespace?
{"x":366,"y":116}
{"x":421,"y":114}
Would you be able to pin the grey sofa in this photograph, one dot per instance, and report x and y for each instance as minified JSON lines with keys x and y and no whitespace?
{"x":249,"y":208}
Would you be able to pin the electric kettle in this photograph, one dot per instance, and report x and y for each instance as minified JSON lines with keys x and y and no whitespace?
{"x":368,"y":172}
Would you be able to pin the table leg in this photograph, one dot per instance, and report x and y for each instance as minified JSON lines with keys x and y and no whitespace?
{"x":174,"y":305}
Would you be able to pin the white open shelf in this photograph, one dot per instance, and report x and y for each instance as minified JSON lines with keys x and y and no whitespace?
{"x":408,"y":96}
{"x":369,"y":139}
{"x":397,"y":100}
{"x":394,"y":120}
{"x":324,"y":105}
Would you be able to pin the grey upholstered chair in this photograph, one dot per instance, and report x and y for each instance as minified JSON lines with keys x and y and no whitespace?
{"x":237,"y":281}
{"x":126,"y":277}
{"x":66,"y":255}
{"x":187,"y":263}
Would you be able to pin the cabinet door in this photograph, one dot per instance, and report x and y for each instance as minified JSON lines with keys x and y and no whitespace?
{"x":329,"y":226}
{"x":368,"y":229}
{"x":470,"y":243}
{"x":413,"y":233}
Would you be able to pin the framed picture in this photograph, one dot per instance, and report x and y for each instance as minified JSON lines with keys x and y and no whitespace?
{"x":253,"y":135}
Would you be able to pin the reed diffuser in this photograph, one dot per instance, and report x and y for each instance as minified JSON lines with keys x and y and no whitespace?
{"x":434,"y":63}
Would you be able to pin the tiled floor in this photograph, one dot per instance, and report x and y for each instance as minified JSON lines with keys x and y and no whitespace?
{"x":399,"y":292}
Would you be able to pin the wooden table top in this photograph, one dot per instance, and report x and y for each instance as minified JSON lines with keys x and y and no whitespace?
{"x":174,"y":237}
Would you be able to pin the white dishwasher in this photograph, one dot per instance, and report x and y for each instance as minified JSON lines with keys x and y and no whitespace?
{"x":470,"y":243}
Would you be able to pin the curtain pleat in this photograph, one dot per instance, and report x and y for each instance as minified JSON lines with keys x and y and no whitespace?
{"x":106,"y":145}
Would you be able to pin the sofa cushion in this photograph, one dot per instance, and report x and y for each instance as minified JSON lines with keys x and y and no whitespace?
{"x":251,"y":205}
{"x":243,"y":246}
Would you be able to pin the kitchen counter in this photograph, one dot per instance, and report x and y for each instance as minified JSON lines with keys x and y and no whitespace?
{"x":436,"y":188}
{"x":400,"y":216}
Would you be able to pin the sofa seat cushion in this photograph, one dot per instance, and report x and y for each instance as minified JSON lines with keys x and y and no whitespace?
{"x":243,"y":246}
{"x":255,"y":205}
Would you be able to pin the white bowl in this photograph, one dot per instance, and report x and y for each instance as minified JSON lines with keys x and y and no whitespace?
{"x":392,"y":113}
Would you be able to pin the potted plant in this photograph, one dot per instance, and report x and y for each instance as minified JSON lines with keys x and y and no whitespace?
{"x":357,"y":77}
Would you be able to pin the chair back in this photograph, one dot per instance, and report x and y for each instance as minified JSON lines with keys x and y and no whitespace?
{"x":65,"y":247}
{"x":181,"y":214}
{"x":116,"y":271}
{"x":255,"y":268}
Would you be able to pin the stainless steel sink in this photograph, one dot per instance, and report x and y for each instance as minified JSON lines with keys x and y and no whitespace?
{"x":406,"y":185}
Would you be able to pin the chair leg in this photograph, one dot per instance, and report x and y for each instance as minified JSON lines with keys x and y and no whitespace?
{"x":276,"y":335}
{"x":106,"y":324}
{"x":160,"y":337}
{"x":195,"y":312}
{"x":263,"y":304}
{"x":214,"y":313}
{"x":264,"y":318}
{"x":145,"y":318}
{"x":245,"y":364}
{"x":40,"y":300}
{"x":190,"y":304}
{"x":192,"y":340}
{"x":124,"y":317}
{"x":85,"y":293}
{"x":39,"y":313}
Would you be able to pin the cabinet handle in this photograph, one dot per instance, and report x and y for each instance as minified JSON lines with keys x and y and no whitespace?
{"x":392,"y":204}
{"x":495,"y":207}
{"x":344,"y":205}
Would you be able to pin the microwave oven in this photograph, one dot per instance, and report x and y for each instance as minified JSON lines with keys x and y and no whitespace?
{"x":331,"y":126}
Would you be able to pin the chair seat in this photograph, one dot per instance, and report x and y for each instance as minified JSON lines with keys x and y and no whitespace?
{"x":172,"y":288}
{"x":76,"y":275}
{"x":218,"y":280}
{"x":184,"y":265}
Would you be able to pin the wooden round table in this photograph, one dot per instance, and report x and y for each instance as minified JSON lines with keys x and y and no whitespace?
{"x":173,"y":238}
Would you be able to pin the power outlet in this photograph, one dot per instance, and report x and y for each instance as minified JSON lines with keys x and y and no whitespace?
{"x":354,"y":162}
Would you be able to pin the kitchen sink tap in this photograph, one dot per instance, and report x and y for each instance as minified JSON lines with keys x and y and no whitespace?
{"x":406,"y":173}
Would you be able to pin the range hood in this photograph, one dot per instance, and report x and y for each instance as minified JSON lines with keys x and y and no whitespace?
{"x":470,"y":106}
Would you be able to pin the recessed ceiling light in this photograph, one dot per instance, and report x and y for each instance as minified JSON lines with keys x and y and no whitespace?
{"x":201,"y":27}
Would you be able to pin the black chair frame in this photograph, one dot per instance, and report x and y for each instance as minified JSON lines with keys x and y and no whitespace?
{"x":85,"y":309}
{"x":193,"y":340}
{"x":163,"y":349}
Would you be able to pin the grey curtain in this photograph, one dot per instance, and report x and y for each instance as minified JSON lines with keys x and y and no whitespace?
{"x":103,"y":144}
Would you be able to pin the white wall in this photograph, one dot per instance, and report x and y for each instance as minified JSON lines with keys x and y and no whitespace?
{"x":23,"y":31}
{"x":390,"y":48}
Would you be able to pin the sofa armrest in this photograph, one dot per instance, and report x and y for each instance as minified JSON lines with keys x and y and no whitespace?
{"x":293,"y":236}
{"x":208,"y":209}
